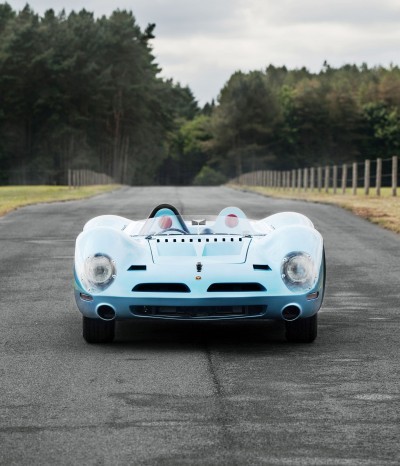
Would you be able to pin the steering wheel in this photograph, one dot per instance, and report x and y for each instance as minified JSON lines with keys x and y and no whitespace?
{"x":178,"y":230}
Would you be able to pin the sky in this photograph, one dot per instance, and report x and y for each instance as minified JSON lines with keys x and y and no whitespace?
{"x":200,"y":43}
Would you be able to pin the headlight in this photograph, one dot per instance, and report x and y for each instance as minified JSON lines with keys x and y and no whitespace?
{"x":298,"y":272}
{"x":99,"y":270}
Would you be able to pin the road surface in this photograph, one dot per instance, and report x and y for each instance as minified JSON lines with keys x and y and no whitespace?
{"x":197,"y":393}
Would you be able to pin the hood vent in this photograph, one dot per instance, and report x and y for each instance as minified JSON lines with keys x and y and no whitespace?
{"x":199,"y":240}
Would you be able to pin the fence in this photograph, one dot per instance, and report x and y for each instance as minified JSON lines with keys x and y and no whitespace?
{"x":78,"y":178}
{"x":334,"y":179}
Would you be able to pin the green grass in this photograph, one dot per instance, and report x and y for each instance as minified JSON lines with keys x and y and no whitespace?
{"x":383,"y":210}
{"x":12,"y":197}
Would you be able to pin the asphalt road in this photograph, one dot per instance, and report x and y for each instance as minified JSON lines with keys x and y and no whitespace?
{"x":197,"y":393}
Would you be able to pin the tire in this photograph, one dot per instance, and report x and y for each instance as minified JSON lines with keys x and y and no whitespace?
{"x":97,"y":330}
{"x":302,"y":330}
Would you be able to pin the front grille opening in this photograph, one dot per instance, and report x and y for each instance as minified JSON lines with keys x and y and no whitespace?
{"x":235,"y":287}
{"x":161,"y":288}
{"x":198,"y":312}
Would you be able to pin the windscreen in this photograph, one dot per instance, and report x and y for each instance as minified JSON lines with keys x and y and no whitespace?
{"x":171,"y":224}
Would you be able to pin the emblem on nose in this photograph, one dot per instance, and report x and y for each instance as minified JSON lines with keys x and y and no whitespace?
{"x":199,"y":266}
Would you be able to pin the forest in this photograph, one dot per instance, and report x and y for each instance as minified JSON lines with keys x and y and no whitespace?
{"x":78,"y":91}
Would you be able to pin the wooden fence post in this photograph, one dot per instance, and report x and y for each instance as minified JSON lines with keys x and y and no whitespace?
{"x":367,"y":174}
{"x":355,"y":175}
{"x":378,"y":176}
{"x":305,"y":179}
{"x":334,"y":182}
{"x":312,"y":178}
{"x":319,"y":181}
{"x":299,"y":179}
{"x":344,"y":178}
{"x":294,"y":180}
{"x":394,"y":175}
{"x":327,"y":174}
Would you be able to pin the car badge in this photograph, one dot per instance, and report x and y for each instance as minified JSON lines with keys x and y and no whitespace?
{"x":199,"y":266}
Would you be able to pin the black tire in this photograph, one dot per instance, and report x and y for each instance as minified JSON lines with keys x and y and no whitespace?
{"x":97,"y":330}
{"x":302,"y":330}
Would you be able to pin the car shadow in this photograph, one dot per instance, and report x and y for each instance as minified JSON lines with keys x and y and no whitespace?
{"x":184,"y":334}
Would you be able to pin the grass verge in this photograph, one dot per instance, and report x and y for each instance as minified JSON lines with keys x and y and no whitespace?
{"x":383,"y":210}
{"x":12,"y":197}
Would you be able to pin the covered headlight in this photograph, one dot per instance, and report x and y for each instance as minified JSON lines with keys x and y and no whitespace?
{"x":298,"y":272}
{"x":99,"y":270}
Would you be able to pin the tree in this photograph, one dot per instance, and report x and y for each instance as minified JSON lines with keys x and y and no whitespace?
{"x":244,"y":121}
{"x":207,"y":176}
{"x":382,"y":130}
{"x":189,"y":150}
{"x":80,"y":92}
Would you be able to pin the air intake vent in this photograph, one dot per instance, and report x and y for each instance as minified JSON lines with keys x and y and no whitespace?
{"x":162,"y":288}
{"x":137,"y":267}
{"x":261,"y":267}
{"x":193,"y":313}
{"x":235,"y":287}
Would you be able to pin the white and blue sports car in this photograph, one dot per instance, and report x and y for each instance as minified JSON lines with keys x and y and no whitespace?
{"x":199,"y":268}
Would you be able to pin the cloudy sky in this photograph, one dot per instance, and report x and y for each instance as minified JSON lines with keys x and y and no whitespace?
{"x":200,"y":43}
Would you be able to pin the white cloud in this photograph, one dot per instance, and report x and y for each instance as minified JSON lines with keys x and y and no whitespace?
{"x":325,"y":11}
{"x":182,"y":18}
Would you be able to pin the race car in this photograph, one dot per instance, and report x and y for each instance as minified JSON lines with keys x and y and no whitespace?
{"x":198,"y":268}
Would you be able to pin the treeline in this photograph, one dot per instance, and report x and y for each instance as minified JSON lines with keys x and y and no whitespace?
{"x":83,"y":92}
{"x":284,"y":119}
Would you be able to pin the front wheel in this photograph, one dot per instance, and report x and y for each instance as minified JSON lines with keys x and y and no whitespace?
{"x":302,"y":330}
{"x":97,"y":330}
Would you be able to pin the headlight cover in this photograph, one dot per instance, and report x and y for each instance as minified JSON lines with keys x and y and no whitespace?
{"x":99,"y":271}
{"x":298,"y":272}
